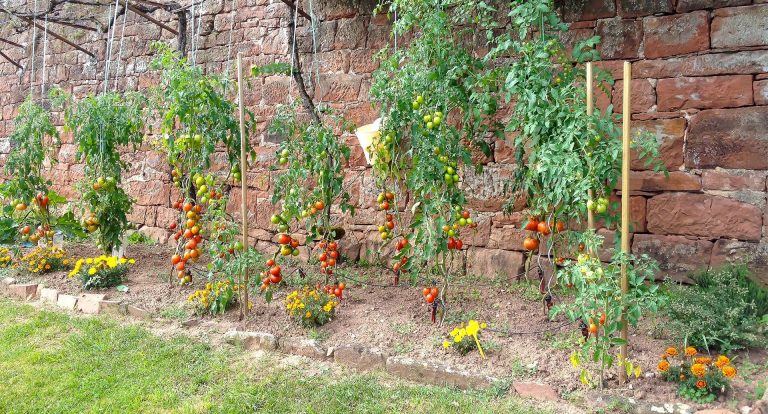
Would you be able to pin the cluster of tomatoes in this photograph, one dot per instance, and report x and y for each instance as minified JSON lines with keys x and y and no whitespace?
{"x":193,"y":238}
{"x":288,"y":245}
{"x":592,"y":328}
{"x":401,"y":244}
{"x":43,"y":230}
{"x":430,"y":294}
{"x":313,"y":209}
{"x":463,"y":219}
{"x":272,"y":276}
{"x":102,"y":183}
{"x":335,"y":290}
{"x":328,"y":257}
{"x":385,"y":201}
{"x":600,"y":206}
{"x":541,"y":227}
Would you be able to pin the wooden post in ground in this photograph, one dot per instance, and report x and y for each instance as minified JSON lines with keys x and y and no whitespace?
{"x":243,"y":182}
{"x":626,"y":115}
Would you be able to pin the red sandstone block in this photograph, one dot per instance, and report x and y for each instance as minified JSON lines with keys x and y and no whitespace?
{"x":620,"y":39}
{"x":652,"y":181}
{"x":704,"y":92}
{"x":746,"y":62}
{"x":670,"y":133}
{"x":728,"y":138}
{"x":740,"y":26}
{"x":690,"y":5}
{"x":643,"y":95}
{"x":638,"y":8}
{"x":760,"y":91}
{"x":574,"y":11}
{"x":676,"y":34}
{"x":703,"y":215}
{"x":677,"y":256}
{"x":738,"y":180}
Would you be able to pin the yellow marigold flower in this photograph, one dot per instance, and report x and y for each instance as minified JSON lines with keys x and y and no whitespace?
{"x":455,"y":332}
{"x":698,"y":370}
{"x":473,"y":327}
{"x":92,"y":271}
{"x":722,"y":361}
{"x":458,"y":338}
{"x":690,"y":351}
{"x":672,"y":351}
{"x":729,"y":371}
{"x":446,"y":344}
{"x":47,"y":267}
{"x":66,"y":262}
{"x":308,"y":315}
{"x":663,"y":365}
{"x":131,"y":261}
{"x":701,"y":384}
{"x":89,"y":260}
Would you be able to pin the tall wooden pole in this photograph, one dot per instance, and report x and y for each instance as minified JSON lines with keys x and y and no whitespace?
{"x":244,"y":187}
{"x":626,"y":115}
{"x":590,"y":110}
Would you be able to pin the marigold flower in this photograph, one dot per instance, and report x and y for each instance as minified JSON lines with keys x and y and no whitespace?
{"x":698,"y":370}
{"x":446,"y":344}
{"x":690,"y":351}
{"x":722,"y":361}
{"x":672,"y":351}
{"x":729,"y":371}
{"x":703,"y":360}
{"x":308,"y":314}
{"x":701,"y":384}
{"x":663,"y":365}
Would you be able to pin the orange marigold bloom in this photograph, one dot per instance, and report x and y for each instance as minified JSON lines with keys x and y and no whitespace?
{"x":698,"y":370}
{"x":701,"y":384}
{"x":729,"y":371}
{"x":703,"y":360}
{"x":672,"y":351}
{"x":663,"y":365}
{"x":722,"y":361}
{"x":682,"y":377}
{"x":690,"y":351}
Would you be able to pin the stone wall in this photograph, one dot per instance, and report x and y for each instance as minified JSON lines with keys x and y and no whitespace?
{"x":700,"y":82}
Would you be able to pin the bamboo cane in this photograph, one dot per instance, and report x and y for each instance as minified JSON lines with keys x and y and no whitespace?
{"x":590,"y":110}
{"x":244,"y":187}
{"x":627,"y":113}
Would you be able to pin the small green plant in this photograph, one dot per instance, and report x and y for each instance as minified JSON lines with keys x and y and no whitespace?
{"x":316,"y":335}
{"x":700,"y":378}
{"x":102,"y":271}
{"x":722,"y":311}
{"x":175,"y":312}
{"x":138,"y":237}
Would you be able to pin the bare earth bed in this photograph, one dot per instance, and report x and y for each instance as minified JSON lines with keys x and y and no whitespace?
{"x":396,"y":320}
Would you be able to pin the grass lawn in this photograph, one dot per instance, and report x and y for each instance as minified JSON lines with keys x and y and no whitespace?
{"x":54,"y":363}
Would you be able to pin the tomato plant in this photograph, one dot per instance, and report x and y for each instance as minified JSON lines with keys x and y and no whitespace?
{"x":438,"y":103}
{"x":29,"y":213}
{"x":103,"y":126}
{"x":309,"y":186}
{"x":197,"y":120}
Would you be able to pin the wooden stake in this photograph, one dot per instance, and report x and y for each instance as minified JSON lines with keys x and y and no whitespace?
{"x":590,"y":110}
{"x":244,"y":186}
{"x":627,"y":113}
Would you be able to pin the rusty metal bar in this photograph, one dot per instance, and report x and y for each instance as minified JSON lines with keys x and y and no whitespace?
{"x":54,"y":34}
{"x":11,"y":43}
{"x":152,"y":19}
{"x":8,"y":58}
{"x":75,"y":25}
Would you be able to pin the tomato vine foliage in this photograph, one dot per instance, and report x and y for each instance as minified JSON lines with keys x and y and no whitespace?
{"x":104,"y":126}
{"x":438,"y":103}
{"x":197,"y":121}
{"x":30,"y":201}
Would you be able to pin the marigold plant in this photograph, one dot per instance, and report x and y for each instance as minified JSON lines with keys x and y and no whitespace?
{"x":102,"y":271}
{"x":466,"y":338}
{"x":700,"y":378}
{"x":5,"y":257}
{"x":311,"y":307}
{"x":44,"y":260}
{"x":216,"y":297}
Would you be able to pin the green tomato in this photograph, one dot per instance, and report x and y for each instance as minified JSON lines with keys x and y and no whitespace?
{"x":451,"y":233}
{"x":449,"y":170}
{"x":238,"y":246}
{"x":430,"y":125}
{"x":601,"y":208}
{"x":275,"y":219}
{"x":436,"y":121}
{"x":204,"y":200}
{"x":284,"y":153}
{"x":283,"y":228}
{"x":283,"y":161}
{"x":462,"y":222}
{"x":590,"y":205}
{"x":427,"y":118}
{"x":203,"y":189}
{"x":304,"y":213}
{"x":455,"y":178}
{"x":199,"y":181}
{"x":415,"y":105}
{"x":295,"y":252}
{"x":448,"y":178}
{"x":438,"y":114}
{"x":470,"y":221}
{"x":237,"y":176}
{"x":420,"y":99}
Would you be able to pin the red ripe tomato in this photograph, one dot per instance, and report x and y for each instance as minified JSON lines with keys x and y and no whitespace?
{"x":532,"y":224}
{"x":275,"y":270}
{"x":323,"y":257}
{"x":44,"y":201}
{"x":530,"y":243}
{"x":332,"y":246}
{"x":430,"y":298}
{"x":322,"y":244}
{"x":602,"y":319}
{"x":333,"y":254}
{"x":543,"y":228}
{"x":172,"y":226}
{"x":329,"y":271}
{"x":396,"y":266}
{"x":384,"y":205}
{"x":191,"y":245}
{"x":404,"y":260}
{"x":177,"y":236}
{"x":459,"y":244}
{"x":592,"y":328}
{"x":197,"y":238}
{"x":275,"y":278}
{"x":175,"y":259}
{"x":188,"y":234}
{"x":337,"y":292}
{"x":559,"y":226}
{"x":319,"y":205}
{"x":331,"y":262}
{"x":283,"y":238}
{"x":270,"y":262}
{"x":177,"y":205}
{"x":434,"y":291}
{"x":342,"y":285}
{"x":199,"y":208}
{"x":390,"y":196}
{"x":323,"y":264}
{"x":465,"y":214}
{"x":389,"y":217}
{"x":294,"y":243}
{"x":451,"y":243}
{"x":188,"y":207}
{"x":425,"y":291}
{"x":390,"y":225}
{"x":180,"y":266}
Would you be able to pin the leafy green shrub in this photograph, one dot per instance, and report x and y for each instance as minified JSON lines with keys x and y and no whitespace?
{"x":724,"y":310}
